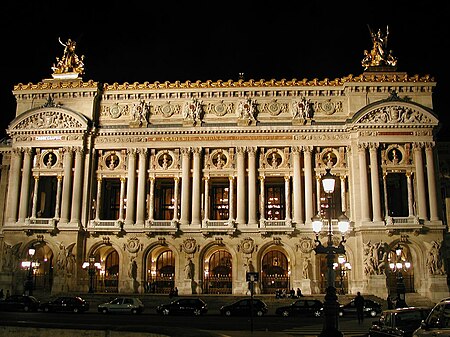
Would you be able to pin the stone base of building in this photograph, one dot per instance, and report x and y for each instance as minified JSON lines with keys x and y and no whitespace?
{"x":436,"y":287}
{"x":185,"y":287}
{"x":376,"y":285}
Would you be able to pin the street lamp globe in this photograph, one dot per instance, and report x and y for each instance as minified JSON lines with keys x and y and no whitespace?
{"x":343,"y":223}
{"x":317,"y":224}
{"x":328,"y":182}
{"x":31,"y":251}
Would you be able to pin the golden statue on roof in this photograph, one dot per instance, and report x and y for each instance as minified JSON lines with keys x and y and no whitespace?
{"x":378,"y":55}
{"x":69,"y":66}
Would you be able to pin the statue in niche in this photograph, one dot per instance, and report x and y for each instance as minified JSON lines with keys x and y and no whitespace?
{"x":189,"y":270}
{"x":434,"y":261}
{"x":306,"y":267}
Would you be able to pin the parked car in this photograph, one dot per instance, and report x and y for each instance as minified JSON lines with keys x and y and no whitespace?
{"x":192,"y":306}
{"x":19,"y":303}
{"x":243,"y":307}
{"x":122,"y":305}
{"x":437,"y":323}
{"x":309,"y":307}
{"x":398,"y":322}
{"x":371,"y":308}
{"x":65,"y":303}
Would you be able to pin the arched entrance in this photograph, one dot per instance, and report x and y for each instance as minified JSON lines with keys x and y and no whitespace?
{"x":106,"y":268}
{"x":275,"y":272}
{"x":217,"y":276}
{"x":41,"y":268}
{"x":160,"y":275}
{"x":406,"y":273}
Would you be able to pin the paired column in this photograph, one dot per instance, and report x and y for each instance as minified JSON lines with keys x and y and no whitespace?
{"x":67,"y":185}
{"x":231,"y":200}
{"x":77,"y":187}
{"x":206,"y":200}
{"x":431,"y":181}
{"x":122,"y":197}
{"x":131,"y":188}
{"x":297,"y":186}
{"x":308,"y":184}
{"x":420,"y":180}
{"x":240,"y":218}
{"x":376,"y":206}
{"x":287,"y":197}
{"x":99,"y":199}
{"x":252,"y":203}
{"x":140,"y":212}
{"x":196,"y":187}
{"x":185,"y":166}
{"x":151,"y":202}
{"x":25,"y":186}
{"x":12,"y":202}
{"x":262,"y":198}
{"x":363,"y":181}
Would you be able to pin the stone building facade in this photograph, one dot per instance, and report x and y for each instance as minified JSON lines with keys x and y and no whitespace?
{"x":193,"y":184}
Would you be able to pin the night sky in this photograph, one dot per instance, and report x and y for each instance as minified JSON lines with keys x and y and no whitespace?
{"x":130,"y":41}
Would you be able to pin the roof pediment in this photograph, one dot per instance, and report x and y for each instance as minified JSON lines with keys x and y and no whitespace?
{"x":49,"y":120}
{"x":395,"y":112}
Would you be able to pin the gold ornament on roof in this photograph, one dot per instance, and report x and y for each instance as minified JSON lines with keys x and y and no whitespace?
{"x":69,"y":66}
{"x":378,"y":56}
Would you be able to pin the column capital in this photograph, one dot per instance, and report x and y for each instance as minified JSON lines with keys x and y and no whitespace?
{"x":429,"y":145}
{"x":197,"y":151}
{"x":417,"y":146}
{"x":185,"y":151}
{"x":240,"y":150}
{"x":295,"y":150}
{"x":142,"y":151}
{"x":308,"y":148}
{"x":362,"y":146}
{"x":252,"y":150}
{"x":131,"y":152}
{"x":373,"y":146}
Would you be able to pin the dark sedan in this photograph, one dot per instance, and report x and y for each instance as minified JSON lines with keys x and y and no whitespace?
{"x":190,"y":306}
{"x":65,"y":304}
{"x":19,"y":303}
{"x":308,"y":307}
{"x":398,"y":322}
{"x":371,"y":308}
{"x":244,"y":308}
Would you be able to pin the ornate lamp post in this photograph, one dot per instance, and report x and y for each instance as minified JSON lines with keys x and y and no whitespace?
{"x":331,"y":305}
{"x":397,"y":267}
{"x":29,"y":264}
{"x":91,"y":267}
{"x":343,"y":267}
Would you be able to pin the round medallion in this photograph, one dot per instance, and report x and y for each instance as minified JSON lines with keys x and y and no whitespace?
{"x":274,"y":108}
{"x":166,"y":110}
{"x":220,"y":109}
{"x":328,"y":107}
{"x":114,"y":111}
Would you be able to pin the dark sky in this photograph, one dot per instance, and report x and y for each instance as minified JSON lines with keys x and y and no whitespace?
{"x":128,"y":41}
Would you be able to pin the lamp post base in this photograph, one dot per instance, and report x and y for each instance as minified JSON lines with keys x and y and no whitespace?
{"x":331,"y":313}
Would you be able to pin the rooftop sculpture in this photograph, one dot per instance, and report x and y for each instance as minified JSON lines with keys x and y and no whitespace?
{"x":378,"y":56}
{"x":70,"y":66}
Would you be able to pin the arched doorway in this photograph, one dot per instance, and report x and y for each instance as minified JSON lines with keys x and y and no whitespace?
{"x":218,"y":273}
{"x":41,"y":270}
{"x":160,"y":276}
{"x":111,"y":272}
{"x":406,"y":273}
{"x":275,"y":272}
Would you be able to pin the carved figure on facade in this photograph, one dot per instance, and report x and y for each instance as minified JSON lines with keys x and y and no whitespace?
{"x":378,"y":55}
{"x":192,"y":112}
{"x":10,"y":257}
{"x":395,"y":114}
{"x":434,"y":259}
{"x":306,"y":267}
{"x":375,"y":257}
{"x":69,"y":62}
{"x":246,"y":111}
{"x":139,"y":114}
{"x":48,"y":120}
{"x":302,"y":110}
{"x":133,"y":273}
{"x":189,"y":270}
{"x":65,"y":260}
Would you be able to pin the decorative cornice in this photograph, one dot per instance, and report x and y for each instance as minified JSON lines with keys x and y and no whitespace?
{"x":55,"y":84}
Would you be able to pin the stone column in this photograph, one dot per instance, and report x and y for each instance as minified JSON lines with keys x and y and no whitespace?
{"x":196,"y":187}
{"x":386,"y":205}
{"x":77,"y":187}
{"x":420,"y":181}
{"x":206,"y":200}
{"x":231,"y":199}
{"x":343,"y":195}
{"x":67,"y":185}
{"x":131,"y":188}
{"x":297,"y":202}
{"x":318,"y":189}
{"x":185,"y":185}
{"x":99,"y":199}
{"x":12,"y":201}
{"x":262,"y":196}
{"x":309,"y":211}
{"x":287,"y":198}
{"x":252,"y":203}
{"x":363,"y":181}
{"x":25,"y":186}
{"x":176,"y":201}
{"x":151,"y":203}
{"x":58,"y":197}
{"x":140,"y":211}
{"x":374,"y":180}
{"x":240,"y":218}
{"x":410,"y":194}
{"x":35,"y":197}
{"x":432,"y":193}
{"x":122,"y":197}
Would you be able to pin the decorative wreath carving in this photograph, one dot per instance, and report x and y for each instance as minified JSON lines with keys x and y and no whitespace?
{"x":133,"y":245}
{"x":189,"y":246}
{"x":247,"y":245}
